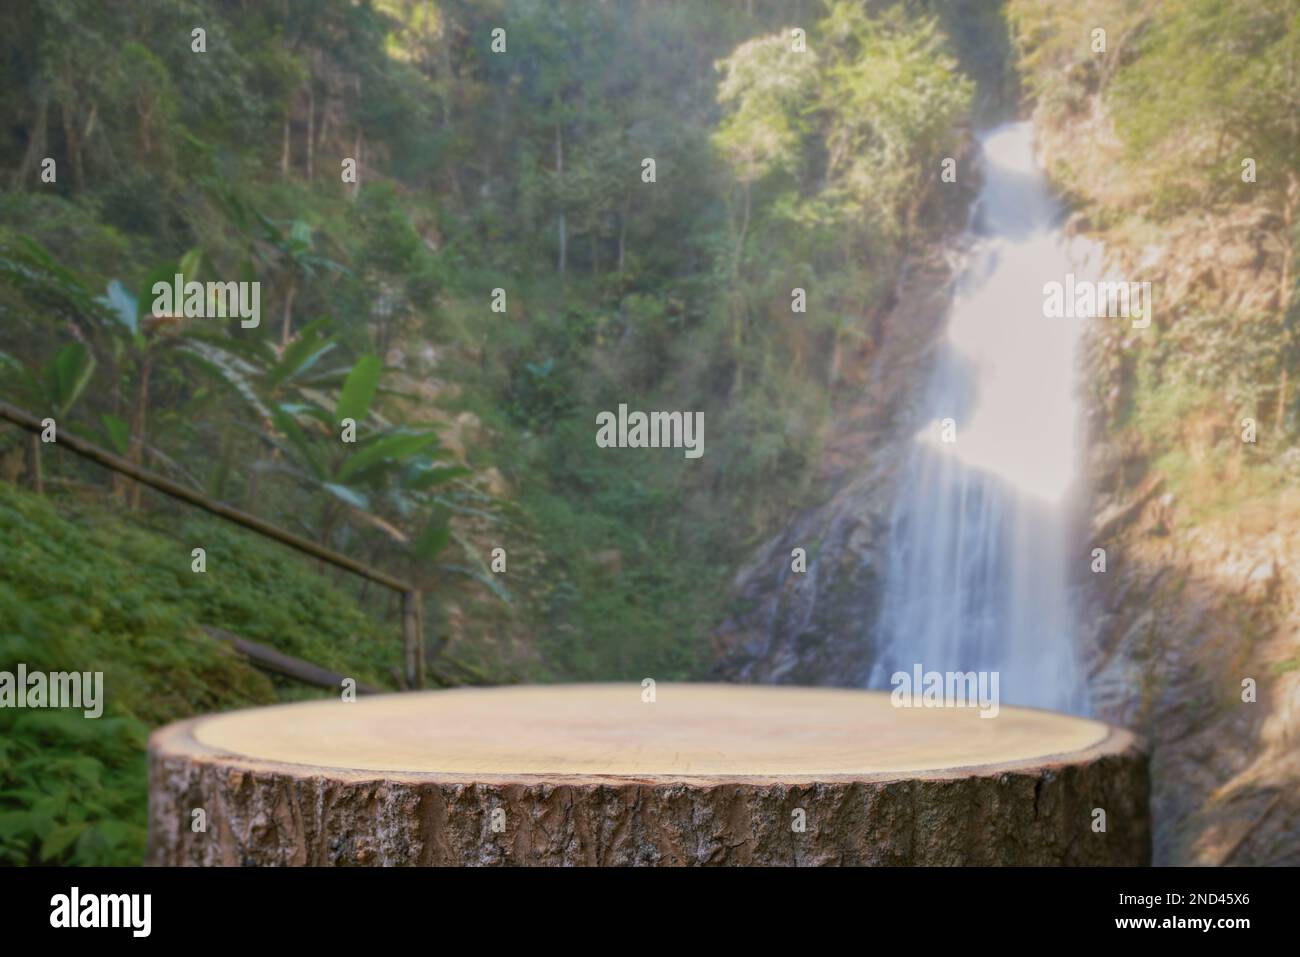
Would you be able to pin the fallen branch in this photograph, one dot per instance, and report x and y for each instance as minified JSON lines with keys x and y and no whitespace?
{"x":277,"y":662}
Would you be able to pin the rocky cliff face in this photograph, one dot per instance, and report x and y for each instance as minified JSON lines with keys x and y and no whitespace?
{"x":1183,"y":616}
{"x":1198,"y":603}
{"x":817,"y":627}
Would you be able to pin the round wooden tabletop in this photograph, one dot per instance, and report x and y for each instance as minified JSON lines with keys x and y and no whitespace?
{"x":609,"y":730}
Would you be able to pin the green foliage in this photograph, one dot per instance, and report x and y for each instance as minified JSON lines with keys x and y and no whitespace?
{"x":767,"y":89}
{"x":56,"y":386}
{"x":893,"y":100}
{"x":358,"y":390}
{"x":477,"y":171}
{"x":81,"y":590}
{"x":1210,"y":84}
{"x":118,"y":432}
{"x":71,"y":789}
{"x":1195,"y":88}
{"x":883,"y":99}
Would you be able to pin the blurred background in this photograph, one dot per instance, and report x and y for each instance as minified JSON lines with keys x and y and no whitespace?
{"x":1173,"y":140}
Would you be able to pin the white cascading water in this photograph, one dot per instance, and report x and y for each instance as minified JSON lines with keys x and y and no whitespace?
{"x":981,"y":534}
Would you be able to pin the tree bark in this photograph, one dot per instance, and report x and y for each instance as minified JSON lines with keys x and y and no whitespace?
{"x":594,"y":775}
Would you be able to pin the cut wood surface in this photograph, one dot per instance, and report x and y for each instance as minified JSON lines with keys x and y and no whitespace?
{"x":595,"y":774}
{"x":607,"y":730}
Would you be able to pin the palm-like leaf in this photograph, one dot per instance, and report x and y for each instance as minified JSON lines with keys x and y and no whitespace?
{"x":66,"y":375}
{"x":358,"y":390}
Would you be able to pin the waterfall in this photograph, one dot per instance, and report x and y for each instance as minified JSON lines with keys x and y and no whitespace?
{"x":981,"y":534}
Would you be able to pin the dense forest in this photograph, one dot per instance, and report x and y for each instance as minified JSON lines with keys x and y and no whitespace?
{"x":504,"y":263}
{"x":475,"y":224}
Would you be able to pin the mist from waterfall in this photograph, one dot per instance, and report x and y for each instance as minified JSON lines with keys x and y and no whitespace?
{"x":977,"y":576}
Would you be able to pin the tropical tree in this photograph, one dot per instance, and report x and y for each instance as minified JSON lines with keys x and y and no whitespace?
{"x":136,"y":339}
{"x":357,"y":464}
{"x":290,"y":249}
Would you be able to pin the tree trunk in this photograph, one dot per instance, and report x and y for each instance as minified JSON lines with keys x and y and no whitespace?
{"x":287,"y":329}
{"x":139,"y":424}
{"x":284,"y":147}
{"x":737,"y":305}
{"x":36,"y":143}
{"x":559,"y":175}
{"x":356,"y":153}
{"x":622,"y":238}
{"x":250,"y":493}
{"x":311,"y":130}
{"x":744,"y":232}
{"x":326,"y":125}
{"x":37,"y":478}
{"x":73,"y":148}
{"x":598,"y":775}
{"x":225,"y":459}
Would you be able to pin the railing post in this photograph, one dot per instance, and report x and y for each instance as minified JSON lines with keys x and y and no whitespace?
{"x":413,"y":639}
{"x":418,"y":598}
{"x":412,"y":607}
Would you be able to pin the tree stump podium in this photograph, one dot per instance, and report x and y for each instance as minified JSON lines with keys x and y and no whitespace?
{"x":595,"y":775}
